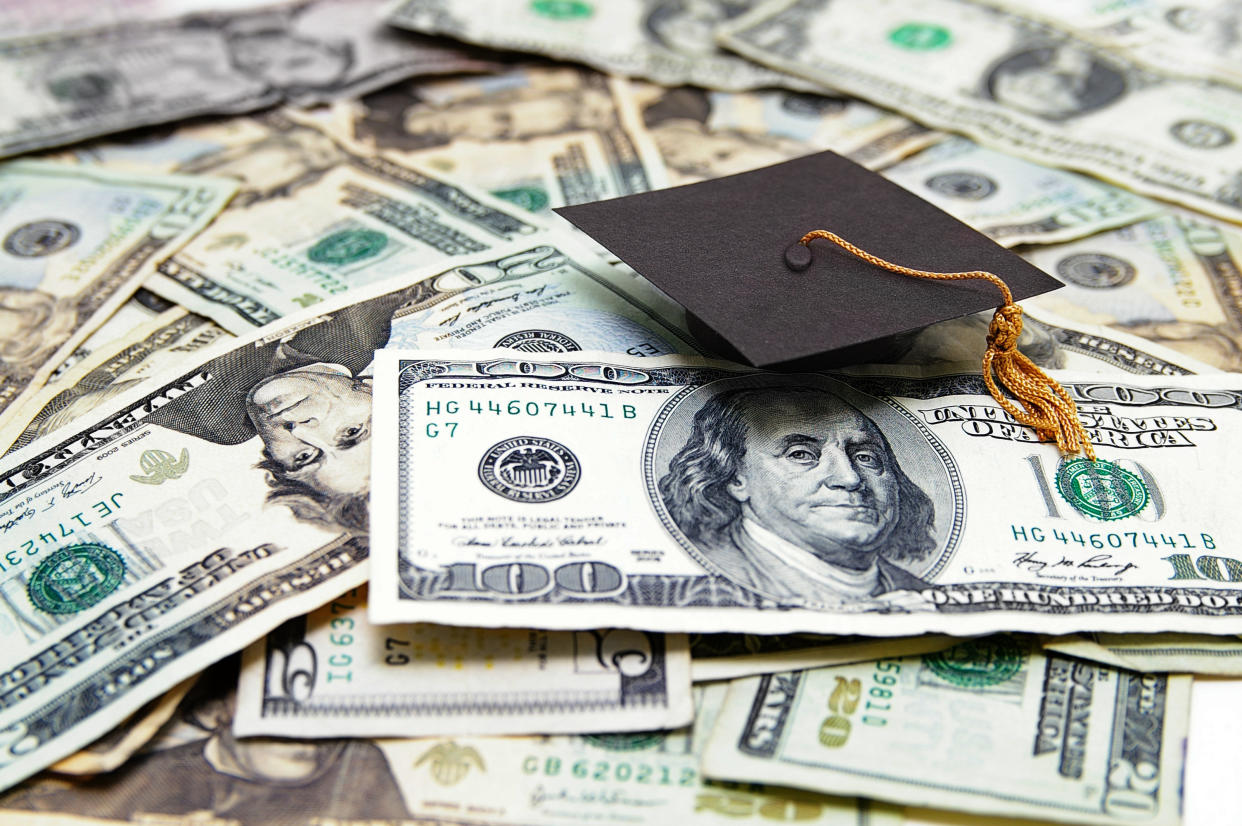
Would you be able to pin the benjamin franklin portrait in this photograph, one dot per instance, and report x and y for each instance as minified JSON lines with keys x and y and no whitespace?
{"x":795,"y":493}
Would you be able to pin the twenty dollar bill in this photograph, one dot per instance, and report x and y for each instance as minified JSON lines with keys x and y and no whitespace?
{"x":75,"y":243}
{"x":991,"y":726}
{"x":199,"y":510}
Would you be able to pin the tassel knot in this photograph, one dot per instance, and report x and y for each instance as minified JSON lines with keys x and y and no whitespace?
{"x":1005,"y":329}
{"x":1046,"y":406}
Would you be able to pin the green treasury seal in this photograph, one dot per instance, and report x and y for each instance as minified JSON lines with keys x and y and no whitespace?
{"x":920,"y":37}
{"x":977,"y":663}
{"x":531,"y":198}
{"x":348,"y":246}
{"x":75,"y":578}
{"x":628,"y":741}
{"x":562,"y":9}
{"x":1101,"y":489}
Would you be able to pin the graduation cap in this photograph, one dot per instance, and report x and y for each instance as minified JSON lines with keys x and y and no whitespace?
{"x":741,"y":254}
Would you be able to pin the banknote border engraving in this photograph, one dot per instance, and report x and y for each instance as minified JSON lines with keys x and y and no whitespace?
{"x":637,"y":659}
{"x":766,"y":722}
{"x":1146,"y":704}
{"x":144,"y":662}
{"x":107,"y":374}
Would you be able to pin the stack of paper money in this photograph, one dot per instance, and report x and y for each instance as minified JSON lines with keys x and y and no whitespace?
{"x":343,"y":482}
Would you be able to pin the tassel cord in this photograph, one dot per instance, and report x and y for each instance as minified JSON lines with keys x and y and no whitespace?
{"x":1048,"y":408}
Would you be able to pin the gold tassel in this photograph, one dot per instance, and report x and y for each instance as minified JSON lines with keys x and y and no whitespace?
{"x":1048,"y":408}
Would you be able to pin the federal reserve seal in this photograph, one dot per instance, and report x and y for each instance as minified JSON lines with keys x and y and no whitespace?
{"x":1101,"y":489}
{"x":529,"y":469}
{"x":1096,"y":271}
{"x":40,"y":238}
{"x":75,"y":578}
{"x":1201,"y":134}
{"x":348,"y":246}
{"x":84,"y":84}
{"x":969,"y":186}
{"x":977,"y":663}
{"x":538,"y":341}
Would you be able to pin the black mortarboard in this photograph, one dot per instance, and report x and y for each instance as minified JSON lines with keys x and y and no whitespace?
{"x":720,"y":249}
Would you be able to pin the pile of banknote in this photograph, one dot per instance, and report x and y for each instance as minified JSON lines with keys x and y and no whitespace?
{"x":344,"y":482}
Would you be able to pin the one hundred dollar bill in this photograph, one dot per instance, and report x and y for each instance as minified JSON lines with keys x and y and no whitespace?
{"x":1175,"y":279}
{"x":190,"y":516}
{"x":333,"y":674}
{"x":700,"y":496}
{"x":359,"y":221}
{"x":1177,"y":653}
{"x":993,"y":726}
{"x":1014,"y":201}
{"x":1015,"y":84}
{"x":670,"y":44}
{"x":76,"y":244}
{"x":82,"y":84}
{"x":645,"y":778}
